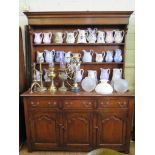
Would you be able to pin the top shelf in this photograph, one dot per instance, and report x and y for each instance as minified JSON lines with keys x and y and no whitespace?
{"x":80,"y":44}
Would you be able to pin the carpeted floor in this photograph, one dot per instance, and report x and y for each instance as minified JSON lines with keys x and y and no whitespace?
{"x":23,"y":151}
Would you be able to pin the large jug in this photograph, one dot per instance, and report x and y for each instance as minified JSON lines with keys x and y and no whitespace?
{"x":70,"y":37}
{"x":47,"y":36}
{"x":117,"y":74}
{"x":79,"y":75}
{"x":91,"y":38}
{"x":49,"y":56}
{"x":104,"y":74}
{"x":38,"y":38}
{"x":99,"y":56}
{"x":40,"y":57}
{"x":58,"y":37}
{"x":82,"y":35}
{"x":93,"y":74}
{"x":109,"y":56}
{"x":59,"y":56}
{"x":118,"y":36}
{"x":109,"y":37}
{"x":87,"y":55}
{"x":100,"y":37}
{"x":118,"y":55}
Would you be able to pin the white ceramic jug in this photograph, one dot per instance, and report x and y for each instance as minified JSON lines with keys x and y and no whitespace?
{"x":70,"y":37}
{"x":40,"y":57}
{"x":37,"y":75}
{"x":67,"y":57}
{"x":46,"y":78}
{"x":117,"y":73}
{"x":100,"y":37}
{"x":118,"y":36}
{"x":91,"y":38}
{"x":109,"y":37}
{"x":104,"y":74}
{"x":87,"y":55}
{"x":38,"y":38}
{"x":49,"y":56}
{"x":93,"y":74}
{"x":47,"y":36}
{"x":58,"y":37}
{"x":79,"y":75}
{"x":100,"y":56}
{"x":82,"y":35}
{"x":109,"y":56}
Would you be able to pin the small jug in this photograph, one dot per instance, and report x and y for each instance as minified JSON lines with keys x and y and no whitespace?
{"x":100,"y":56}
{"x":117,"y":74}
{"x":79,"y":75}
{"x":59,"y":56}
{"x":118,"y":55}
{"x":104,"y":74}
{"x":46,"y":78}
{"x":37,"y":75}
{"x":93,"y":74}
{"x":118,"y":36}
{"x":70,"y":37}
{"x":38,"y":38}
{"x":67,"y":57}
{"x":100,"y":37}
{"x":40,"y":57}
{"x":87,"y":55}
{"x":49,"y":56}
{"x":109,"y":56}
{"x":59,"y":36}
{"x":109,"y":37}
{"x":91,"y":38}
{"x":82,"y":35}
{"x":47,"y":37}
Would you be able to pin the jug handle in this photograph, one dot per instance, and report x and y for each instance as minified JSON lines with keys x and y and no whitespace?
{"x":75,"y":33}
{"x":95,"y":30}
{"x":53,"y":52}
{"x":86,"y":32}
{"x":103,"y":53}
{"x":121,"y":70}
{"x":79,"y":55}
{"x":50,"y":35}
{"x":108,"y":70}
{"x":41,"y":35}
{"x":92,"y":52}
{"x":82,"y":71}
{"x":123,"y":33}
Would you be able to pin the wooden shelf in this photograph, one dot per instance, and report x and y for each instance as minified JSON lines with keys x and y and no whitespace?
{"x":81,"y":44}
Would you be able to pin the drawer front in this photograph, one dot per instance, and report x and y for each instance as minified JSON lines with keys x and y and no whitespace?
{"x":78,"y":104}
{"x":113,"y":103}
{"x":43,"y":103}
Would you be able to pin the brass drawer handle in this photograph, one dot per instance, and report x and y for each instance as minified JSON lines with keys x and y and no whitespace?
{"x":34,"y":104}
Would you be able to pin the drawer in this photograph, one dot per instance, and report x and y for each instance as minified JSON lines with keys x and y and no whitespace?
{"x":113,"y":103}
{"x":78,"y":104}
{"x":43,"y":103}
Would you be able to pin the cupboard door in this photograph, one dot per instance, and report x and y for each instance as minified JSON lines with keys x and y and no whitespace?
{"x":44,"y":130}
{"x":111,"y":129}
{"x":78,"y":131}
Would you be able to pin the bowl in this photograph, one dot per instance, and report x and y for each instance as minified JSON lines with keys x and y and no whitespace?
{"x":121,"y":85}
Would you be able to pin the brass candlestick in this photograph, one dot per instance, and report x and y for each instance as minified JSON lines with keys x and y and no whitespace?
{"x":52,"y":75}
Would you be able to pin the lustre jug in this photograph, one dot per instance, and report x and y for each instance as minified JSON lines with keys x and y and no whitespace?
{"x":59,"y":56}
{"x":47,"y":36}
{"x":67,"y":57}
{"x":58,"y":37}
{"x":70,"y":37}
{"x":109,"y":37}
{"x":40,"y":57}
{"x":79,"y":75}
{"x":118,"y":55}
{"x":38,"y":38}
{"x":99,"y":56}
{"x":104,"y":74}
{"x":118,"y":36}
{"x":87,"y":55}
{"x":91,"y":38}
{"x":82,"y":35}
{"x":100,"y":37}
{"x":109,"y":56}
{"x":93,"y":74}
{"x":49,"y":56}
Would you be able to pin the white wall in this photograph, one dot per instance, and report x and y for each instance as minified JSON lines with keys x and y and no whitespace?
{"x":89,"y":5}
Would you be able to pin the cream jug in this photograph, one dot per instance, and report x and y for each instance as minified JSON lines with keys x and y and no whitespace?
{"x":100,"y":37}
{"x":47,"y":37}
{"x":79,"y":75}
{"x":40,"y":57}
{"x":99,"y":56}
{"x":58,"y":37}
{"x":87,"y":55}
{"x":82,"y":35}
{"x":118,"y":36}
{"x":104,"y":74}
{"x":109,"y":37}
{"x":91,"y":35}
{"x":67,"y":57}
{"x":38,"y":38}
{"x":71,"y":36}
{"x":109,"y":56}
{"x":93,"y":74}
{"x":49,"y":56}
